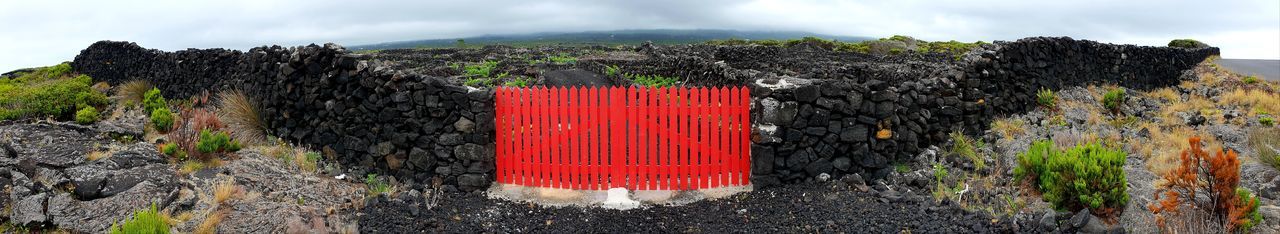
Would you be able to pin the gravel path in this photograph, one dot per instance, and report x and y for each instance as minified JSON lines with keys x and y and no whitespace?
{"x":789,"y":209}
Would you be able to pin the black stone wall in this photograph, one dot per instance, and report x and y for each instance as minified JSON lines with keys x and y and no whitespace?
{"x":823,"y":121}
{"x":370,"y":117}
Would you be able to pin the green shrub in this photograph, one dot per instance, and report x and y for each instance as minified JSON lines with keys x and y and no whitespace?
{"x":152,"y":100}
{"x":87,"y":115}
{"x":1113,"y":99}
{"x":1085,"y":176}
{"x":1252,"y":218}
{"x":147,"y":221}
{"x":1249,"y":79}
{"x":653,"y":80}
{"x":162,"y":119}
{"x":1187,"y":43}
{"x":964,"y":146}
{"x":1031,"y":162}
{"x":216,"y":142}
{"x":1046,"y":98}
{"x":1267,"y":121}
{"x":48,"y":91}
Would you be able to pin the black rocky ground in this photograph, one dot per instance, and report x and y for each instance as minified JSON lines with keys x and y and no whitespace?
{"x":833,"y":207}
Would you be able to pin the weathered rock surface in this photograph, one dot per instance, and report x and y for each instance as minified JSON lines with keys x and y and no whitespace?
{"x":52,"y":181}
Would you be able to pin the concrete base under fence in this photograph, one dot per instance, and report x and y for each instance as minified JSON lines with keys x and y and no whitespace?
{"x":616,"y":198}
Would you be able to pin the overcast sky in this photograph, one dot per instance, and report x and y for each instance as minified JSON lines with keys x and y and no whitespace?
{"x":45,"y":32}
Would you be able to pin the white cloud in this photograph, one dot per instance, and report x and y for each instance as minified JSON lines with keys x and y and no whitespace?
{"x":37,"y":33}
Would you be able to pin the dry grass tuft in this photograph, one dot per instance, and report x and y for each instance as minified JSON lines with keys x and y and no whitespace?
{"x":95,"y":155}
{"x":225,"y":191}
{"x":1009,"y":127}
{"x":190,"y":166}
{"x":1253,"y":99}
{"x":1169,"y":113}
{"x":1167,"y":94}
{"x":1265,"y":143}
{"x":243,"y":118}
{"x":131,"y":92}
{"x":210,"y":224}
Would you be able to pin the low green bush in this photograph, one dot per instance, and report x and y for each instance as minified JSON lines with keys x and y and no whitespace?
{"x":1113,"y":99}
{"x":1267,"y":121}
{"x":1187,"y":43}
{"x":153,"y":100}
{"x":87,"y":115}
{"x":146,"y":221}
{"x":162,"y":119}
{"x":216,"y":142}
{"x":47,"y":92}
{"x":1047,"y":98}
{"x":1085,"y":176}
{"x":1031,"y":162}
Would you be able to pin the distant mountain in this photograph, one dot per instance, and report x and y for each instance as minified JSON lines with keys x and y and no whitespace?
{"x":618,"y":37}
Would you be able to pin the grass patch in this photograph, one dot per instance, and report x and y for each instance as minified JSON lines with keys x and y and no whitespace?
{"x":190,"y":166}
{"x":1009,"y":127}
{"x":518,"y":82}
{"x":146,"y":221}
{"x":1266,"y":144}
{"x":377,"y":186}
{"x":481,"y":70}
{"x":562,"y":59}
{"x":964,"y":146}
{"x":1046,"y":98}
{"x":611,"y":70}
{"x":1254,"y":99}
{"x":47,"y":92}
{"x":653,"y":80}
{"x":1113,"y":99}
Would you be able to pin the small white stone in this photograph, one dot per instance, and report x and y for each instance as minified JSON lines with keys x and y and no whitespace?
{"x":620,"y":199}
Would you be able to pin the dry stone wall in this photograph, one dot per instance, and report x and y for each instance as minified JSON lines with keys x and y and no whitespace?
{"x":825,"y":120}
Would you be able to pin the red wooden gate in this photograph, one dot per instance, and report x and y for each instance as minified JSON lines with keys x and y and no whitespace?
{"x":636,"y":138}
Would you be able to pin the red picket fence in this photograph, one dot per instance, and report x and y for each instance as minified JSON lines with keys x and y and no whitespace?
{"x":636,"y":138}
